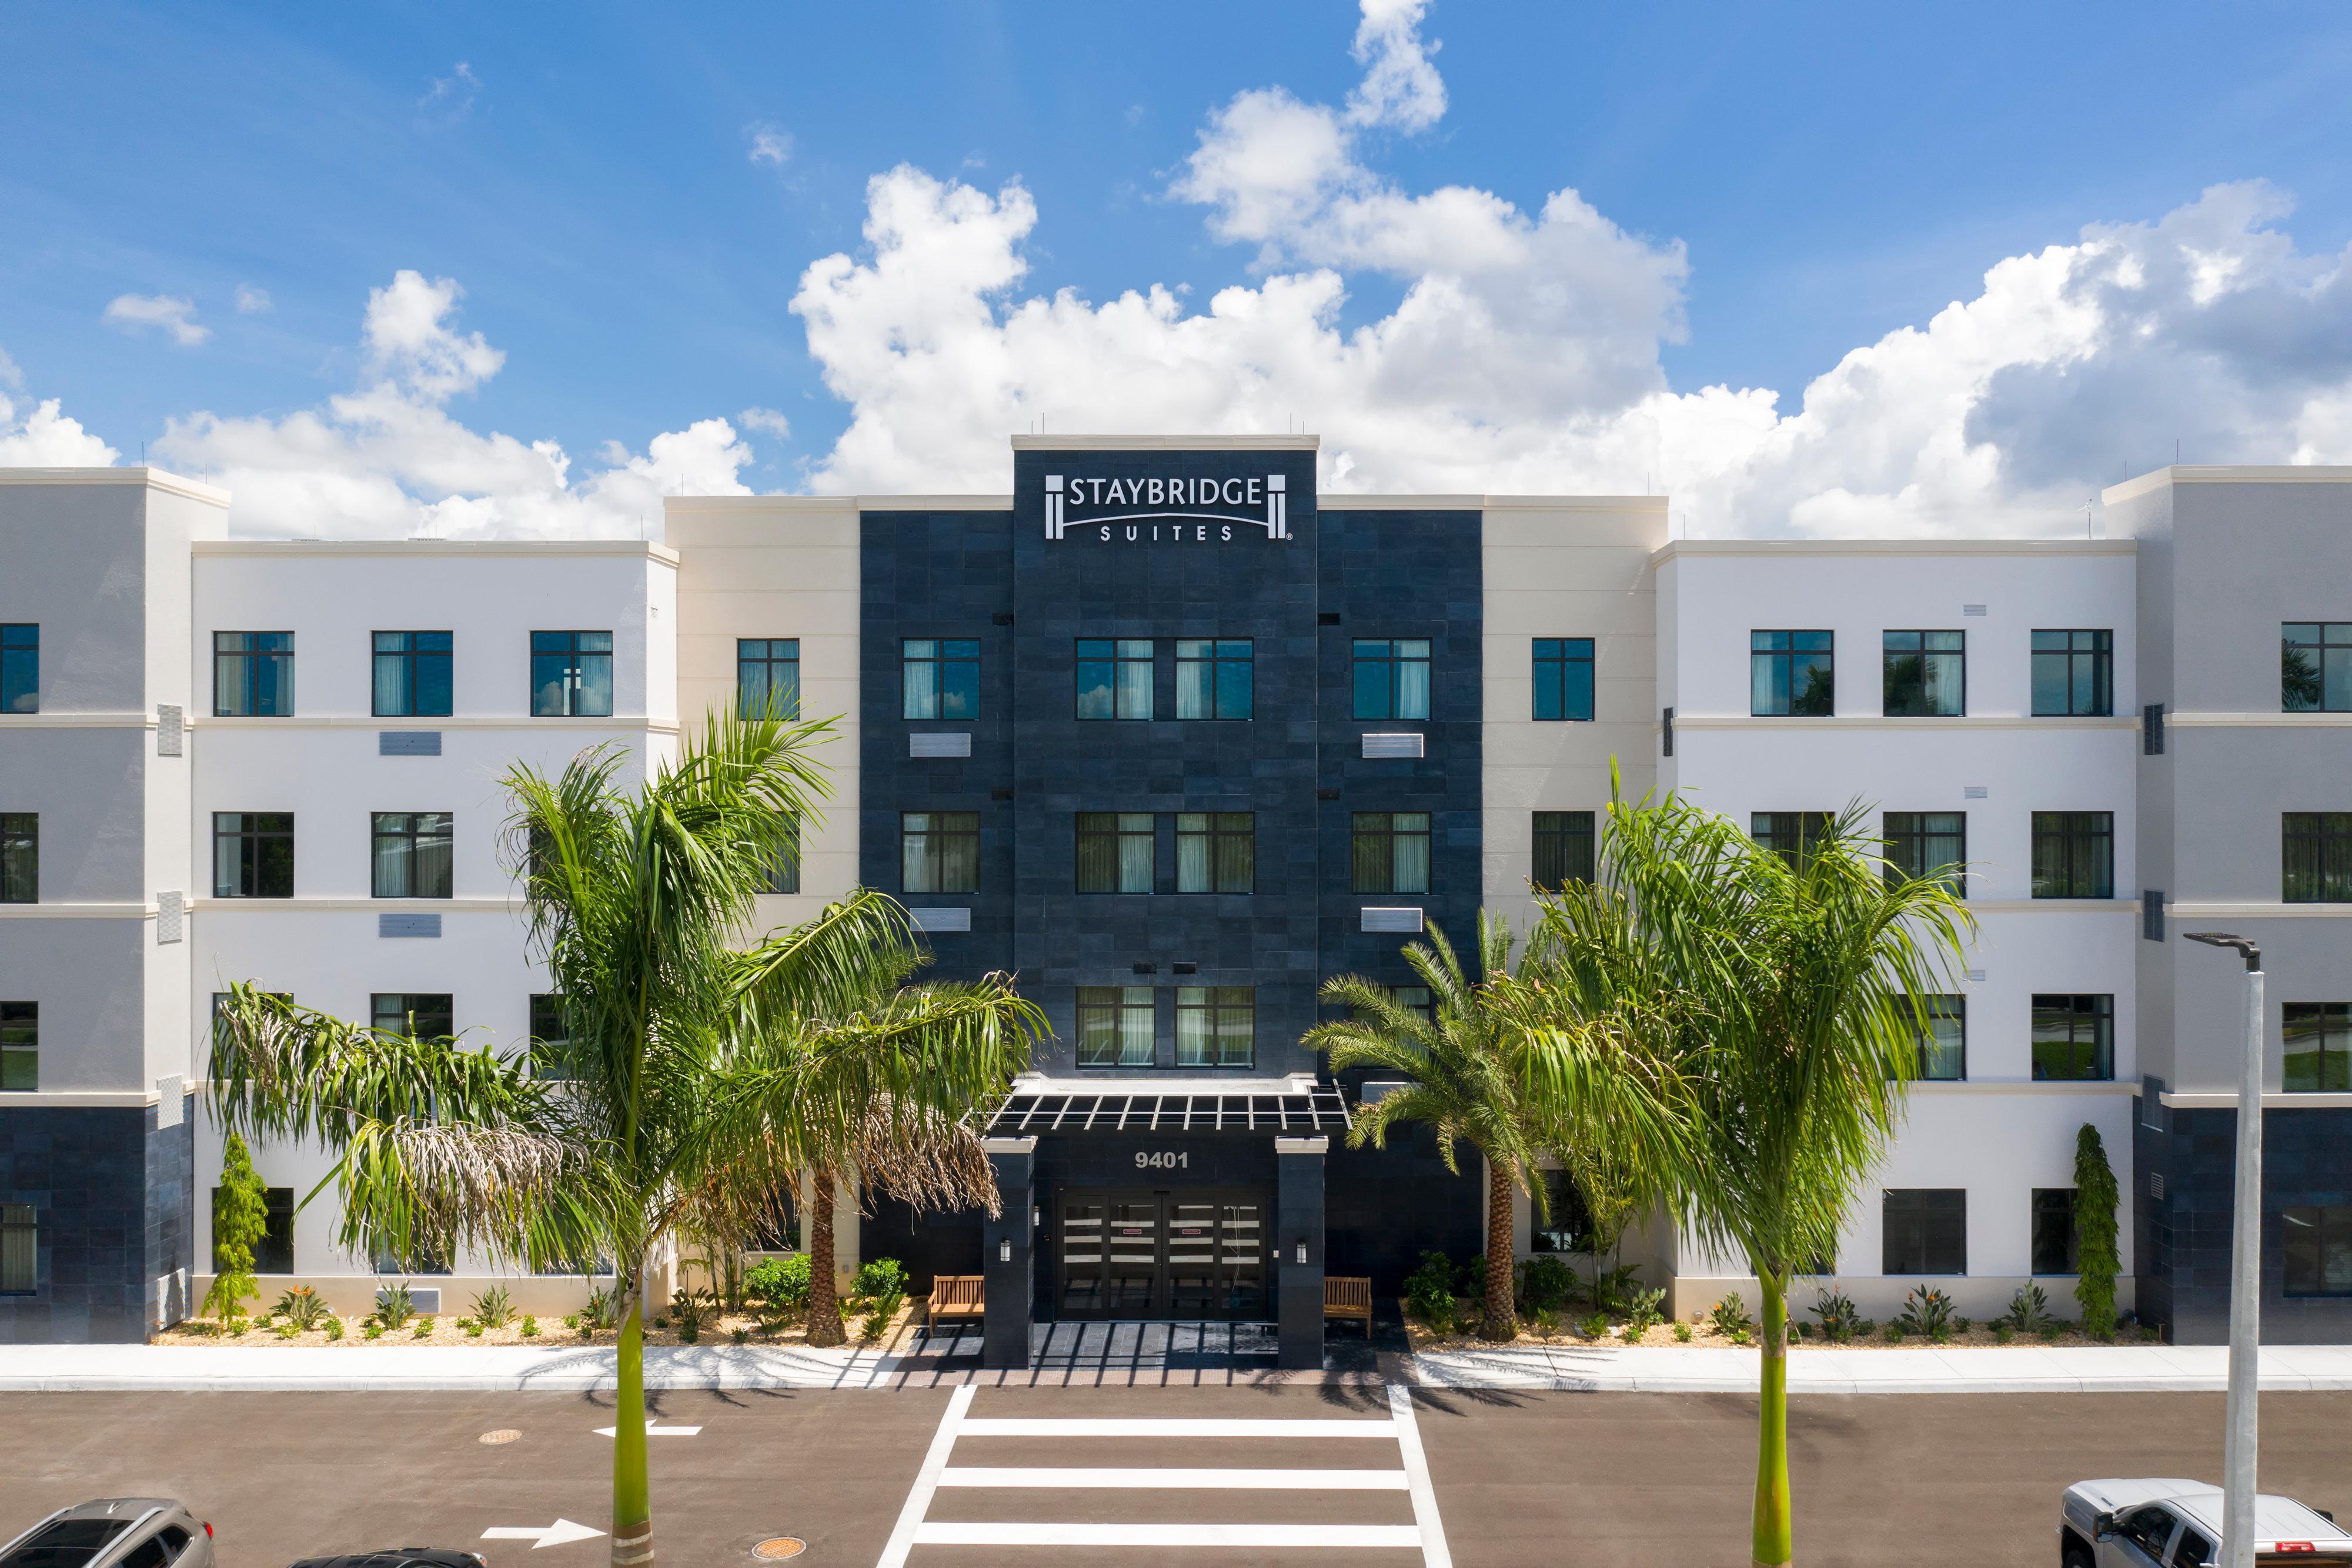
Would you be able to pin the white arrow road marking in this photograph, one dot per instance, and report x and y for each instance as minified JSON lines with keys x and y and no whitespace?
{"x":654,"y":1431}
{"x":563,"y":1532}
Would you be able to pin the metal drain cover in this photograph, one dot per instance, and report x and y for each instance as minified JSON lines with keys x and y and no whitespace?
{"x":777,"y":1548}
{"x":503,"y":1435}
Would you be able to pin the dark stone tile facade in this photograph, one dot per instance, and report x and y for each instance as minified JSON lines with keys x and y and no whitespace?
{"x":112,"y":1197}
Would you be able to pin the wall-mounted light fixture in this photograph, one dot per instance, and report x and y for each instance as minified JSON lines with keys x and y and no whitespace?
{"x":1037,"y":1217}
{"x":1005,"y":1250}
{"x":1299,"y":1255}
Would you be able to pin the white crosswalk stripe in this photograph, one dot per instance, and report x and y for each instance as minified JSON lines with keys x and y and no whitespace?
{"x":916,"y":1529}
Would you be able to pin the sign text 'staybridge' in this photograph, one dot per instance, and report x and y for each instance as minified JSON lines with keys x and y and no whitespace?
{"x":1190,"y":510}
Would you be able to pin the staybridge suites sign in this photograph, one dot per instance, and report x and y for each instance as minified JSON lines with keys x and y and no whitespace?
{"x":1167,"y":509}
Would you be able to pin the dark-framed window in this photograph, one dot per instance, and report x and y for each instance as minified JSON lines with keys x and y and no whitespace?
{"x":20,"y":1047}
{"x":1792,"y":673}
{"x":1925,"y":1231}
{"x":1944,"y":1048}
{"x":2073,"y":673}
{"x":2074,"y":854}
{"x":1391,"y":677}
{"x":422,"y":1014}
{"x":20,"y":857}
{"x":1216,"y":852}
{"x":768,"y":677}
{"x":939,"y":677}
{"x":2318,"y":1251}
{"x":785,"y":871}
{"x":2315,"y":857}
{"x":2315,"y":666}
{"x":1115,"y":1026}
{"x":1216,"y":1026}
{"x":273,"y":1252}
{"x":1114,"y":677}
{"x":1925,"y":674}
{"x":2057,"y":1242}
{"x":253,"y":854}
{"x":20,"y":668}
{"x":572,"y":674}
{"x":1115,"y":852}
{"x":1216,"y":677}
{"x":1563,"y":849}
{"x":1391,"y":852}
{"x":1415,"y":999}
{"x":939,"y":852}
{"x":1928,"y":844}
{"x":2073,"y":1038}
{"x":550,"y":1036}
{"x":413,"y":673}
{"x":1563,"y":671}
{"x":2318,"y":1037}
{"x":20,"y":1249}
{"x":1791,"y":835}
{"x":413,"y":855}
{"x":253,"y":674}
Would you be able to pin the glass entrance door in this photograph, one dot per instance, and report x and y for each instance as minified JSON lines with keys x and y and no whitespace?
{"x":1138,"y":1263}
{"x":1184,"y":1255}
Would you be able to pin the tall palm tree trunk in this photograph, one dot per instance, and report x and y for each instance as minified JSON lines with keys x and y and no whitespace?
{"x":1773,"y":1537}
{"x":632,"y":1508}
{"x":824,"y":1325}
{"x":1500,"y":1319}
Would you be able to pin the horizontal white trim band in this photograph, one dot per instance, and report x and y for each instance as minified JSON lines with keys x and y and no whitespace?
{"x":126,"y":910}
{"x":2023,"y":1086}
{"x":92,"y":720}
{"x":1880,"y":721}
{"x":1176,"y":1479}
{"x":1149,"y":1426}
{"x":135,"y":474}
{"x":2258,"y":720}
{"x":2227,"y":474}
{"x":1893,"y":547}
{"x":510,"y":905}
{"x":2259,"y":911}
{"x":2272,"y":1100}
{"x":660,"y":554}
{"x":77,"y":1099}
{"x":618,"y":723}
{"x":1359,"y":1537}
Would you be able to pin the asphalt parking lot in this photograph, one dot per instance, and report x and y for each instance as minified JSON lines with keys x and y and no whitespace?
{"x":1515,"y":1478}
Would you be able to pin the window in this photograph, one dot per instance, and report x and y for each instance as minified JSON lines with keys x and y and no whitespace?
{"x":412,"y":675}
{"x":2318,"y":1251}
{"x":2315,"y":666}
{"x":2073,"y":1038}
{"x":1944,"y":1049}
{"x":1926,"y":1231}
{"x":940,"y":677}
{"x":768,"y":677}
{"x":785,"y":871}
{"x":1563,"y":849}
{"x":2148,"y":1528}
{"x":1791,"y":835}
{"x":1566,"y":1225}
{"x":1115,"y":1026}
{"x":253,"y":674}
{"x":1216,"y":852}
{"x":1792,"y":674}
{"x":20,"y":1047}
{"x":939,"y":852}
{"x":412,"y":854}
{"x":2316,"y":850}
{"x":1925,"y":674}
{"x":2074,"y":674}
{"x":1563,"y":677}
{"x":253,"y":854}
{"x":1415,"y":1001}
{"x":2055,"y":1239}
{"x":1391,"y":678}
{"x":1392,"y":851}
{"x":2193,"y":1551}
{"x":572,"y":674}
{"x":20,"y":1249}
{"x":1115,"y":852}
{"x":1114,"y":677}
{"x":2318,"y":1047}
{"x":1928,"y":844}
{"x":2074,"y":854}
{"x":422,"y":1014}
{"x":20,"y":669}
{"x":550,"y":1038}
{"x":1215,"y":679}
{"x":20,"y":857}
{"x":1216,"y":1026}
{"x":273,"y":1252}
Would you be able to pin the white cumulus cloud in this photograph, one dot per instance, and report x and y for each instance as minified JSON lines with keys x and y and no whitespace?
{"x":170,"y":313}
{"x":42,"y":436}
{"x":767,"y":420}
{"x":252,"y":301}
{"x":768,"y":145}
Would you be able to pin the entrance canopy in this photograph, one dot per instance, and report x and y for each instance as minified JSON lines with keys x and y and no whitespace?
{"x":1302,"y":1105}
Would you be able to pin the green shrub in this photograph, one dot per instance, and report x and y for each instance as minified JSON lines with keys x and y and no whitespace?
{"x":1642,"y":1311}
{"x":885,"y":1307}
{"x":529,"y":1326}
{"x":2096,"y":1197}
{"x":1894,"y":1332}
{"x":373,"y":1331}
{"x":2050,"y":1333}
{"x":1730,"y":1317}
{"x":1547,"y":1323}
{"x":240,"y":1218}
{"x":1545,"y":1281}
{"x":2028,"y":1310}
{"x":1429,"y":1289}
{"x":473,"y":1330}
{"x":1682,"y":1333}
{"x":1613,"y":1290}
{"x":334,"y":1328}
{"x":1801,"y":1329}
{"x":781,"y":1282}
{"x":741,"y":1336}
{"x":394,"y":1306}
{"x":492,"y":1309}
{"x":602,"y":1308}
{"x":1739,"y":1336}
{"x":572,"y":1320}
{"x":882,"y":1277}
{"x":1928,"y":1312}
{"x":689,"y":1307}
{"x":1595,"y":1326}
{"x":303,"y":1308}
{"x":2002,"y":1331}
{"x":424,"y":1329}
{"x":236,"y":1326}
{"x":286,"y":1331}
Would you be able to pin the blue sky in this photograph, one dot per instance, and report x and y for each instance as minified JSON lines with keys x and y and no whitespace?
{"x":590,"y":179}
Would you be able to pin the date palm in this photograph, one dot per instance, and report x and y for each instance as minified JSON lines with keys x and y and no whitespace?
{"x":693,"y":1080}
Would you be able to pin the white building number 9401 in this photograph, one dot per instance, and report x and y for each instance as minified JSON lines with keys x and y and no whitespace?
{"x":1161,"y":1160}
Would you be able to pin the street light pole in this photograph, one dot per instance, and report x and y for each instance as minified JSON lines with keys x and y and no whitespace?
{"x":2245,"y":1273}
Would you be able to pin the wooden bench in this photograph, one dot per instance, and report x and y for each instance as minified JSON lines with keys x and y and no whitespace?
{"x":955,"y":1298}
{"x":1345,"y":1297}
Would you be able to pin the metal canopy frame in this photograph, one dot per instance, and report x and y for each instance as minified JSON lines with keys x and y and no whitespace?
{"x":1316,"y":1108}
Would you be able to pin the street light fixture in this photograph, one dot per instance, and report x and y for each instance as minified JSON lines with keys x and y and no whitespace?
{"x":2245,"y":1270}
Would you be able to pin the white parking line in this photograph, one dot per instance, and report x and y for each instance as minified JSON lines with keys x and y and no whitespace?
{"x":1174,"y":1479}
{"x":1359,"y":1536}
{"x":1433,"y":1550}
{"x":927,"y":1481}
{"x":1047,"y":1426}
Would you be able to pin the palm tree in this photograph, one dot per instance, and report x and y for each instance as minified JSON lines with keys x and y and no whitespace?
{"x":1782,"y":1000}
{"x":677,"y":1103}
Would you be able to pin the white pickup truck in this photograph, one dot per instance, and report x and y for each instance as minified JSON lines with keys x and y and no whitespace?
{"x":2163,"y":1524}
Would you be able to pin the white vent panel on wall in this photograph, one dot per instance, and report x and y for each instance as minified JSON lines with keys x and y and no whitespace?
{"x":171,"y":916}
{"x":1392,"y":746}
{"x":170,"y":729}
{"x":1398,"y":921}
{"x":941,"y":919}
{"x":939,"y":743}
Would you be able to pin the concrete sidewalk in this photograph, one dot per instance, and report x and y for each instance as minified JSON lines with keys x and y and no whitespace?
{"x":419,"y":1368}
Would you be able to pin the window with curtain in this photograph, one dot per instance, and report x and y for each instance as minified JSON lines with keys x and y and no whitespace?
{"x":1928,"y":844}
{"x":414,"y":674}
{"x":939,"y":852}
{"x":1216,"y":852}
{"x":20,"y":857}
{"x":1391,"y":678}
{"x":421,"y":1015}
{"x":2318,"y":1047}
{"x":1925,"y":674}
{"x":939,"y":677}
{"x":1216,"y":1026}
{"x":1115,"y":852}
{"x":1925,"y":1231}
{"x":1115,"y":1026}
{"x":1791,"y":835}
{"x":1215,"y":678}
{"x":1114,"y":677}
{"x":785,"y":871}
{"x":20,"y":1047}
{"x":1563,"y":677}
{"x":1563,"y":849}
{"x":2073,"y":673}
{"x":413,"y":855}
{"x":253,"y":674}
{"x":20,"y":1254}
{"x":1944,"y":1049}
{"x":572,"y":674}
{"x":20,"y":668}
{"x":2315,"y":857}
{"x":2073,"y":1038}
{"x":253,"y":854}
{"x":1391,"y":852}
{"x":2074,"y":854}
{"x":2315,"y":666}
{"x":768,"y":677}
{"x":1792,"y":673}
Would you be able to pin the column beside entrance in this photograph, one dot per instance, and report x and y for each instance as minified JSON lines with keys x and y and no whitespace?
{"x":1299,"y":1245}
{"x":1009,"y":1286}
